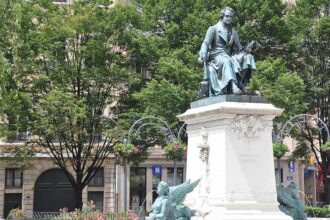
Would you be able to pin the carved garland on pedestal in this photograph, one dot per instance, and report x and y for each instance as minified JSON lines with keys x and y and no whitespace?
{"x":203,"y":208}
{"x":248,"y":126}
{"x":204,"y":156}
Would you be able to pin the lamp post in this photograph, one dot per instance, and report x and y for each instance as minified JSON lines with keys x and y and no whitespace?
{"x":162,"y":127}
{"x":310,"y":127}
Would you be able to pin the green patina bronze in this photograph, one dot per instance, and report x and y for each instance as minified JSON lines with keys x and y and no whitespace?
{"x":169,"y":204}
{"x":290,"y":204}
{"x":227,"y":65}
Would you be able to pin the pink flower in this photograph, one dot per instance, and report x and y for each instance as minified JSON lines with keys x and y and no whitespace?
{"x":176,"y":146}
{"x":116,"y":154}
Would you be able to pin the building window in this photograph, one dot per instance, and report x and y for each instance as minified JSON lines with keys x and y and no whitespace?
{"x":98,"y":179}
{"x":97,"y":198}
{"x":170,"y":176}
{"x":14,"y":178}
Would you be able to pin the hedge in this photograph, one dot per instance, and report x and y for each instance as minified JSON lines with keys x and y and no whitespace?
{"x":317,"y":211}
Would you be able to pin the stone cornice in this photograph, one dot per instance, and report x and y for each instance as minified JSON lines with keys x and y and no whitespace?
{"x":228,"y":109}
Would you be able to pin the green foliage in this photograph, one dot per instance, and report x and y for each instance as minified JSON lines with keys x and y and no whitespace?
{"x":175,"y":150}
{"x":308,"y":56}
{"x":163,"y":99}
{"x":282,"y":88}
{"x":180,"y":26}
{"x":88,"y":212}
{"x":126,"y":153}
{"x":302,"y":150}
{"x":18,"y":156}
{"x":263,"y":21}
{"x":62,"y":68}
{"x":326,"y":147}
{"x":317,"y":211}
{"x":279,"y":149}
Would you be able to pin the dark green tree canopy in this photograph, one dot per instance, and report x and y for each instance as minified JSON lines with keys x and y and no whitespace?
{"x":63,"y":68}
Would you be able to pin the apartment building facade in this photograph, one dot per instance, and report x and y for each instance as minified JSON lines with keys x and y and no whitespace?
{"x":45,"y":188}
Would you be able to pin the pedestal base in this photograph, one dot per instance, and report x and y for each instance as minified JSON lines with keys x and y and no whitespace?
{"x":244,"y":215}
{"x":205,"y":209}
{"x":230,"y":150}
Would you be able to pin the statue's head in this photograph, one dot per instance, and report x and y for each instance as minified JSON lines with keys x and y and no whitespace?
{"x":292,"y":185}
{"x":226,"y":15}
{"x":163,"y":188}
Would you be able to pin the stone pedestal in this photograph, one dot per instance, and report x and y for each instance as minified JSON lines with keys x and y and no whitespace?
{"x":237,"y":175}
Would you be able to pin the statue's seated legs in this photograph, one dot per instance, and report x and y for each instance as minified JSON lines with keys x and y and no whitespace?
{"x":221,"y":76}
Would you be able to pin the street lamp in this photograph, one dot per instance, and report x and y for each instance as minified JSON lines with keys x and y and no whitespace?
{"x":310,"y":127}
{"x":160,"y":125}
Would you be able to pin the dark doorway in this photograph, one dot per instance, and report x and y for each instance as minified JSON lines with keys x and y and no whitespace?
{"x":53,"y":191}
{"x":137,"y":187}
{"x":12,"y":201}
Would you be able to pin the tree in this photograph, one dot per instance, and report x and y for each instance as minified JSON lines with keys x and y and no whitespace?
{"x":66,"y":69}
{"x":281,"y":87}
{"x":166,"y":43}
{"x":310,"y":58}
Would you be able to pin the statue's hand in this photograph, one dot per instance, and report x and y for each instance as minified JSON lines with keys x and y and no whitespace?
{"x":252,"y":47}
{"x":203,"y":57}
{"x":247,"y":50}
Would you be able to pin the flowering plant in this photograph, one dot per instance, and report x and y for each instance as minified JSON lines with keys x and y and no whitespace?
{"x":89,"y":212}
{"x":16,"y":214}
{"x":175,"y":150}
{"x":127,"y":152}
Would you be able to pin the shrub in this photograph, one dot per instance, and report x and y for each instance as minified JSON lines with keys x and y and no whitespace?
{"x":91,"y":213}
{"x":317,"y":211}
{"x":16,"y":214}
{"x":279,"y":149}
{"x":175,"y":150}
{"x":127,"y":152}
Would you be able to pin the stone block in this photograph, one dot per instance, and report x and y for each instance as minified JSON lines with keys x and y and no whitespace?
{"x":237,"y":172}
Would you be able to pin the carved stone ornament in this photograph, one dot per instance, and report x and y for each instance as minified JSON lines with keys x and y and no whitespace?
{"x":204,"y":186}
{"x":248,"y":126}
{"x":204,"y":147}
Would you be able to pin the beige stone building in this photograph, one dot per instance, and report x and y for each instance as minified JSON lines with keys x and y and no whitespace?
{"x":42,"y":187}
{"x":301,"y":172}
{"x":45,"y":188}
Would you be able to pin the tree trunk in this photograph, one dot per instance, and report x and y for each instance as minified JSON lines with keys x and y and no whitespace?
{"x":79,"y":202}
